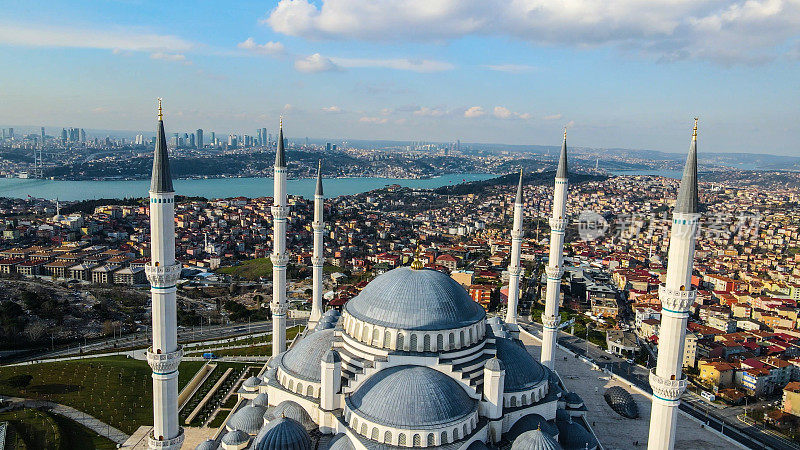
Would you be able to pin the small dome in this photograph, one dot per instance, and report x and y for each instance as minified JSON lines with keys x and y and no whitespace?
{"x":411,"y":397}
{"x":622,"y":402}
{"x":303,"y":361}
{"x":341,"y":442}
{"x":477,"y":445}
{"x":528,"y":423}
{"x":283,"y":434}
{"x":573,"y":436}
{"x":208,"y":444}
{"x":331,"y":313}
{"x":535,"y":440}
{"x":522,"y":370}
{"x":410,"y":299}
{"x":495,"y":365}
{"x":293,"y":411}
{"x":235,"y":437}
{"x":260,"y":400}
{"x":271,"y":373}
{"x":573,"y":400}
{"x":252,"y":382}
{"x":248,"y":419}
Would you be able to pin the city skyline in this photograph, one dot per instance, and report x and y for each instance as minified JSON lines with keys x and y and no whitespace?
{"x":621,"y":75}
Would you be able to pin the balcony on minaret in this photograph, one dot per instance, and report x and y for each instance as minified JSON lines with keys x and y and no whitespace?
{"x":164,"y":363}
{"x":676,"y":300}
{"x":667,"y":389}
{"x":559,"y":225}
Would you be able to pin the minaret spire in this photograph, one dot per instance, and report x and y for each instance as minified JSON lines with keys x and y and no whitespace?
{"x":677,"y":295}
{"x":318,"y":258}
{"x":555,"y":262}
{"x":514,"y":268}
{"x":280,"y":212}
{"x":163,"y":273}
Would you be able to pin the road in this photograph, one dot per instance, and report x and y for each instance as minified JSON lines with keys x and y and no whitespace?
{"x":724,"y":420}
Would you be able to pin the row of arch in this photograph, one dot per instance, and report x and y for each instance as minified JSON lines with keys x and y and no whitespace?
{"x":308,"y":389}
{"x":514,"y":399}
{"x":403,"y":438}
{"x":414,"y":341}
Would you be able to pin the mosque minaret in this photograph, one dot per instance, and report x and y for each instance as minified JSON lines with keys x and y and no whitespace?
{"x":555,"y":264}
{"x":677,"y":296}
{"x":280,"y":213}
{"x":318,"y":258}
{"x":514,"y":269}
{"x":163,"y":272}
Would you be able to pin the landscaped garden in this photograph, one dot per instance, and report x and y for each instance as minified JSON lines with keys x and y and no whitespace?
{"x":32,"y":429}
{"x":116,"y":390}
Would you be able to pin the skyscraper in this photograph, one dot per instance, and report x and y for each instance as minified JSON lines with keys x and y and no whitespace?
{"x":191,"y":141}
{"x":280,"y":212}
{"x":83,"y":135}
{"x":163,"y":273}
{"x":327,"y":146}
{"x":677,"y":295}
{"x":199,"y":139}
{"x":555,"y":261}
{"x":264,"y":137}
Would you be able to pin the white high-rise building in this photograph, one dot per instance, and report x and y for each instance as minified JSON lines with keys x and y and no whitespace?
{"x":514,"y":269}
{"x":555,"y":264}
{"x":280,"y":212}
{"x":318,"y":259}
{"x":677,"y":296}
{"x":163,"y":271}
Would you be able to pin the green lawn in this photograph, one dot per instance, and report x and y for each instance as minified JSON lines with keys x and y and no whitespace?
{"x":114,"y":389}
{"x":261,"y":346}
{"x":32,"y":429}
{"x":252,"y":269}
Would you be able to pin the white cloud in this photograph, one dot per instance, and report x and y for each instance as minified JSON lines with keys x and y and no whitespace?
{"x":332,"y":109}
{"x":414,"y":65}
{"x":501,"y":112}
{"x":428,"y":112}
{"x":474,"y":112}
{"x":270,"y":48}
{"x":118,"y":39}
{"x":552,"y":117}
{"x":723,"y":30}
{"x":315,"y":63}
{"x":512,"y":68}
{"x":373,"y":120}
{"x":171,"y":57}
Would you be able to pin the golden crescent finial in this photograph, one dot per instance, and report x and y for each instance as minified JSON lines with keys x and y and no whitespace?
{"x":160,"y":114}
{"x":694,"y":131}
{"x":281,"y":122}
{"x":565,"y":132}
{"x":417,"y":264}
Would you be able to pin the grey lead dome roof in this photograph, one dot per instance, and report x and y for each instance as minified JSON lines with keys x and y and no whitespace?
{"x":303,"y":361}
{"x":522,"y":370}
{"x":248,"y":419}
{"x":283,"y":434}
{"x":411,"y":397}
{"x":535,"y":440}
{"x":411,"y":299}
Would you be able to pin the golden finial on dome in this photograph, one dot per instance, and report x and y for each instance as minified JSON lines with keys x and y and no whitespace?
{"x":160,"y":114}
{"x":694,"y":131}
{"x":417,"y":264}
{"x":565,"y":132}
{"x":281,"y":122}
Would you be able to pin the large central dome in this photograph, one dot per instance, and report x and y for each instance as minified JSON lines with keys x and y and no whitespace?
{"x":410,"y":299}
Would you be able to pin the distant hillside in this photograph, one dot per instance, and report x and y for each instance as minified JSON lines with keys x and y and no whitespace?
{"x":512,"y":179}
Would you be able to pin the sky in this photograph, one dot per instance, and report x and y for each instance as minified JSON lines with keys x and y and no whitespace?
{"x":617,"y":73}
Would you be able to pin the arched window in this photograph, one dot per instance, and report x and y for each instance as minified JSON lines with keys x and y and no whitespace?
{"x":387,"y":339}
{"x":464,"y":428}
{"x":426,"y":343}
{"x":300,"y":388}
{"x":524,"y":399}
{"x":461,"y":341}
{"x":363,"y":429}
{"x":417,"y":441}
{"x":355,"y":423}
{"x":431,"y":440}
{"x":291,"y":385}
{"x":439,"y":342}
{"x":374,"y":435}
{"x":401,"y":440}
{"x":513,"y":401}
{"x":470,"y":336}
{"x":444,"y":438}
{"x":412,"y":345}
{"x":365,"y":334}
{"x":310,"y":391}
{"x":452,"y":341}
{"x":387,"y":437}
{"x":357,"y":332}
{"x":455,"y":435}
{"x":376,"y":335}
{"x":400,"y":342}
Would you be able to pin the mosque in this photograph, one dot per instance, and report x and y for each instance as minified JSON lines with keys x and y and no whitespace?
{"x":411,"y":361}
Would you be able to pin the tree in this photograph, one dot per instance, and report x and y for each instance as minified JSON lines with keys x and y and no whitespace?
{"x":19,"y":381}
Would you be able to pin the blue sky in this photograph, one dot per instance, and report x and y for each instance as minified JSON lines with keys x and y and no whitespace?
{"x":619,"y":73}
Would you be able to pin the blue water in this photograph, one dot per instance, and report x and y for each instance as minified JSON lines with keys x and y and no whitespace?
{"x":214,"y":188}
